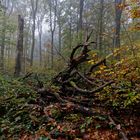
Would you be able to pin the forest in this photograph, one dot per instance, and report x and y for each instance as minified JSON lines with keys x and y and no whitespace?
{"x":69,"y":69}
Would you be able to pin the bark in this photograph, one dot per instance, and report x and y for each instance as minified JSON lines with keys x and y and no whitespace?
{"x":18,"y":66}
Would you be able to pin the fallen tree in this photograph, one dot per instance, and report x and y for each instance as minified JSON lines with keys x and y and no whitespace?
{"x":72,"y":82}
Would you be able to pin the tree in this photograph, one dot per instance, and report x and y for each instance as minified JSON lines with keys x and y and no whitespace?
{"x":100,"y":36}
{"x":81,"y":14}
{"x":40,"y":18}
{"x":60,"y":23}
{"x":119,"y":5}
{"x":3,"y":40}
{"x":7,"y":8}
{"x":52,"y":18}
{"x":34,"y":7}
{"x":19,"y":53}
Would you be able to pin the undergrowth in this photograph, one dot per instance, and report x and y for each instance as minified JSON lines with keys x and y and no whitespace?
{"x":22,"y":112}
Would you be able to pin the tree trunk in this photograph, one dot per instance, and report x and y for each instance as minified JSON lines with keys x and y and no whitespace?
{"x":70,"y":25}
{"x":52,"y":6}
{"x":3,"y":42}
{"x":25,"y":51}
{"x":81,"y":15}
{"x":101,"y":26}
{"x":60,"y":35}
{"x":39,"y":24}
{"x":33,"y":41}
{"x":8,"y":51}
{"x":34,"y":5}
{"x":40,"y":47}
{"x":26,"y":44}
{"x":118,"y":13}
{"x":19,"y":53}
{"x":52,"y":47}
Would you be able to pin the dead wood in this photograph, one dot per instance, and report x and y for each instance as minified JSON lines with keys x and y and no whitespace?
{"x":90,"y":91}
{"x":69,"y":81}
{"x":86,"y":79}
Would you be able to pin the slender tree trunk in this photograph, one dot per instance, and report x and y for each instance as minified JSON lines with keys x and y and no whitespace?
{"x":59,"y":19}
{"x":34,"y":4}
{"x":8,"y":51}
{"x":19,"y":53}
{"x":3,"y":42}
{"x":70,"y":36}
{"x":60,"y":35}
{"x":81,"y":15}
{"x":101,"y":26}
{"x":40,"y":47}
{"x":70,"y":25}
{"x":118,"y":14}
{"x":47,"y":63}
{"x":52,"y":5}
{"x":33,"y":41}
{"x":52,"y":47}
{"x":39,"y":24}
{"x":25,"y":52}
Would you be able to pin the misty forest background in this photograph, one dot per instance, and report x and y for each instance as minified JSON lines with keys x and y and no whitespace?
{"x":69,"y":69}
{"x":53,"y":28}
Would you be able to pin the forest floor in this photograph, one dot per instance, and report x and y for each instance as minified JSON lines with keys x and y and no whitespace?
{"x":88,"y":100}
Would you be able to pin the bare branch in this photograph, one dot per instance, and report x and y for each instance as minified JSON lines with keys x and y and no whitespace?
{"x":88,"y":91}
